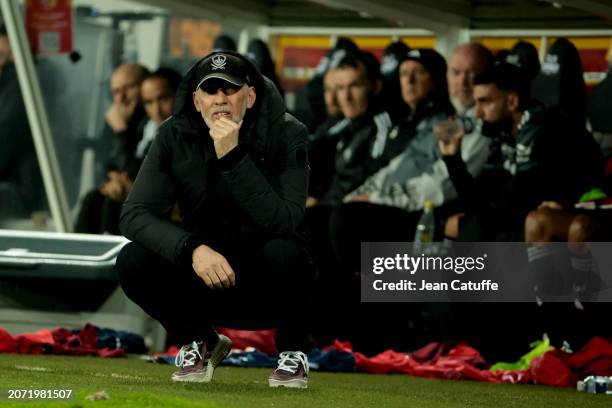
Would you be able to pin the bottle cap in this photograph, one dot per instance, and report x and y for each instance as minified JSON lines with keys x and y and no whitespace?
{"x":428,"y":204}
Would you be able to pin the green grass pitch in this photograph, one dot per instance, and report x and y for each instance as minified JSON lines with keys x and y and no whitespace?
{"x":134,"y":383}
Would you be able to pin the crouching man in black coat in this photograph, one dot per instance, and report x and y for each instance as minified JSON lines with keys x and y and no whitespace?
{"x":235,"y":162}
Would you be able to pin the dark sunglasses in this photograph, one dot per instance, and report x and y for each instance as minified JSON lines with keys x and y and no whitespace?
{"x":212,"y":87}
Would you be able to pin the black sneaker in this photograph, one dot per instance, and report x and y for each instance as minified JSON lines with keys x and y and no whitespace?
{"x":198,"y":363}
{"x":291,"y":371}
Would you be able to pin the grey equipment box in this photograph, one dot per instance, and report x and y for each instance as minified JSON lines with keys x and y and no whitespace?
{"x":58,"y":255}
{"x":40,"y":259}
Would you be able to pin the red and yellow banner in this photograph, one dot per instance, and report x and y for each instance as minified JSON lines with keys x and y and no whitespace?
{"x":298,"y":56}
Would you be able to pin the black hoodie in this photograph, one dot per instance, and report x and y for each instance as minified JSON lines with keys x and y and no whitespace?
{"x":550,"y":159}
{"x":254,"y":193}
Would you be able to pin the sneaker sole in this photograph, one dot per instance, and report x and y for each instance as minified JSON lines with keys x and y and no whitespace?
{"x":295,"y":383}
{"x":219,"y":353}
{"x":194,"y":378}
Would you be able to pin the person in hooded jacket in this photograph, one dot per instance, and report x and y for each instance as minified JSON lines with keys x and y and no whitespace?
{"x":390,"y":94}
{"x":236,"y":163}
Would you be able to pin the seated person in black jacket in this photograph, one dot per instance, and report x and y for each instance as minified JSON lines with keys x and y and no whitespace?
{"x":125,"y":117}
{"x":101,"y":207}
{"x":345,"y":154}
{"x":355,"y":139}
{"x":322,"y":142}
{"x":236,"y":163}
{"x":536,"y":155}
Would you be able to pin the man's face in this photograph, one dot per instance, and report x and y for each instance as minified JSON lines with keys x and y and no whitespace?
{"x":415,"y":81}
{"x":462,"y":70}
{"x":157,"y":99}
{"x":353,"y":91}
{"x":221,"y":99}
{"x":491,"y":103}
{"x":329,"y":93}
{"x":5,"y":51}
{"x":125,"y":86}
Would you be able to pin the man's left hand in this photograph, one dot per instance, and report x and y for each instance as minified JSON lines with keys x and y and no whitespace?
{"x":224,"y":133}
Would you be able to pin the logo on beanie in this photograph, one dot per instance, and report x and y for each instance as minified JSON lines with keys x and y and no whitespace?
{"x":389,"y":63}
{"x":218,"y":62}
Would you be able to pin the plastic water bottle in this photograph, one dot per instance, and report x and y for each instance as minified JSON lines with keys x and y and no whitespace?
{"x":595,"y":385}
{"x":425,"y":229}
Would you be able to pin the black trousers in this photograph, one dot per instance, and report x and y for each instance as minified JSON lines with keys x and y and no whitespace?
{"x":273,"y":283}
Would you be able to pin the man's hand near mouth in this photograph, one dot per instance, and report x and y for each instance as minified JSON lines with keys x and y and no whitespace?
{"x":224,"y":133}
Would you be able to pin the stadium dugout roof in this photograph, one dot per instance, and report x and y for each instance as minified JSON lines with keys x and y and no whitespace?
{"x":433,"y":15}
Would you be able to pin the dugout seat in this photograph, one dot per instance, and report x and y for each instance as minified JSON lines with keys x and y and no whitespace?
{"x":560,"y":82}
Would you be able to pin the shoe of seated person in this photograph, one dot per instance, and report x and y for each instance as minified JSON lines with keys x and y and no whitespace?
{"x":197,"y":360}
{"x":291,"y":371}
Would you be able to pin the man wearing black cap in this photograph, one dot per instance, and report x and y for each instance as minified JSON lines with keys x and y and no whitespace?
{"x":236,"y":164}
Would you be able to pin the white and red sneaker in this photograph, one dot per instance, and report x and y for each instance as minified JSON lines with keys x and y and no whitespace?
{"x":291,"y":370}
{"x":197,"y":361}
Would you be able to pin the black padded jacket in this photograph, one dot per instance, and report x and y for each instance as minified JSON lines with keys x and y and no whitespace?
{"x":254,"y":193}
